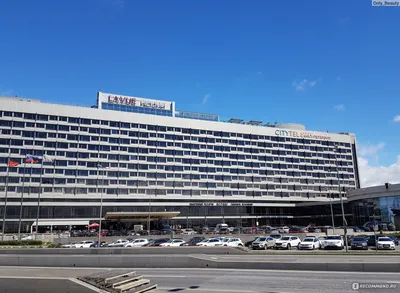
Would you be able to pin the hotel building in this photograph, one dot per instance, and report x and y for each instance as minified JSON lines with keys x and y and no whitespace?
{"x":131,"y":154}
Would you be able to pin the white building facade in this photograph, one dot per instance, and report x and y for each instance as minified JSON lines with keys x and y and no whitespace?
{"x":141,"y":155}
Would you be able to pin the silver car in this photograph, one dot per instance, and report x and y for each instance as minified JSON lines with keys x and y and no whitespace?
{"x":263,"y":243}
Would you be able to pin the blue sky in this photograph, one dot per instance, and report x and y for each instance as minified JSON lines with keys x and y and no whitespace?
{"x":332,"y":65}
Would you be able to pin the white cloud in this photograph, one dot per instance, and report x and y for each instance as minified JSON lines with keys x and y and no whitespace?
{"x":340,"y":107}
{"x":205,"y":99}
{"x":304,"y":84}
{"x":396,"y":118}
{"x":371,"y":175}
{"x":376,"y":175}
{"x":370,"y":149}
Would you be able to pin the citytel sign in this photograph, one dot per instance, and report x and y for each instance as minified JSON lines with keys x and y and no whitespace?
{"x":133,"y":101}
{"x":301,"y":134}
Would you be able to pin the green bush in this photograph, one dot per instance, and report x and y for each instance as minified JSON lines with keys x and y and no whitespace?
{"x":53,"y":245}
{"x":20,"y":242}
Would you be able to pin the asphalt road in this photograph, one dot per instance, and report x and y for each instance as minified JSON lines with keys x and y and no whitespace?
{"x":24,"y":279}
{"x":41,"y":286}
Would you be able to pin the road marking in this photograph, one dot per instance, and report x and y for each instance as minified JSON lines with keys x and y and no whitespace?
{"x":34,"y":278}
{"x":200,"y":269}
{"x":203,"y":289}
{"x":164,"y":276}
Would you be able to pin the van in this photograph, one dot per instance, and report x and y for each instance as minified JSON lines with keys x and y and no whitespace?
{"x":222,"y":226}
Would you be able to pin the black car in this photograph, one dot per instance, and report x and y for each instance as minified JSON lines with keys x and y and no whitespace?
{"x":395,"y":240}
{"x":250,"y":243}
{"x":371,"y":240}
{"x":359,"y":243}
{"x":193,"y":241}
{"x":156,"y":242}
{"x":96,"y":244}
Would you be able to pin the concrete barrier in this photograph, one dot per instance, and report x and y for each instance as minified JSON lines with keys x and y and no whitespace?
{"x":124,"y":251}
{"x":187,"y":261}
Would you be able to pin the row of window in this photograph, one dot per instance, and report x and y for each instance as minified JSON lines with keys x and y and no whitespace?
{"x":246,"y":181}
{"x":171,"y":152}
{"x":191,"y":192}
{"x":191,"y":179}
{"x":174,"y":171}
{"x":157,"y":128}
{"x":207,"y":143}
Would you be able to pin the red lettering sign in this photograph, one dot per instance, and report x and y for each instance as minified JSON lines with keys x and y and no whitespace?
{"x":121,"y":100}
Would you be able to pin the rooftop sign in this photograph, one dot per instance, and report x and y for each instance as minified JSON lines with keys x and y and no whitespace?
{"x":301,"y":134}
{"x":133,"y":101}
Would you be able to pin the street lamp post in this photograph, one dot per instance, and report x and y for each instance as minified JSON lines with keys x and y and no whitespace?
{"x":101,"y":202}
{"x":341,"y":198}
{"x":148,"y":218}
{"x":332,"y":215}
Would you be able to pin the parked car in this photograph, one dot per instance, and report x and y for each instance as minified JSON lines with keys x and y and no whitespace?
{"x":359,"y":243}
{"x":233,"y":242}
{"x":188,"y":232}
{"x":118,"y":243}
{"x":173,"y":242}
{"x":275,"y":236}
{"x":371,"y":240}
{"x":193,"y":241}
{"x":84,"y":244}
{"x":287,"y":242}
{"x":137,"y":242}
{"x":156,"y":242}
{"x":333,"y":242}
{"x":69,"y":245}
{"x":96,"y":244}
{"x":310,"y":243}
{"x":314,"y":230}
{"x":263,"y":243}
{"x":210,"y":242}
{"x":250,"y":242}
{"x":386,"y":243}
{"x":395,"y":240}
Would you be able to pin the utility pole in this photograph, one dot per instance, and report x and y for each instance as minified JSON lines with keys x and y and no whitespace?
{"x":341,"y":199}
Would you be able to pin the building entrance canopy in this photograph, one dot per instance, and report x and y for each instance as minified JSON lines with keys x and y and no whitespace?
{"x":139,"y":216}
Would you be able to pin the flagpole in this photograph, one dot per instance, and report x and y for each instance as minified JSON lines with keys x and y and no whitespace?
{"x":40,"y":193}
{"x":21,"y":205}
{"x":5,"y":201}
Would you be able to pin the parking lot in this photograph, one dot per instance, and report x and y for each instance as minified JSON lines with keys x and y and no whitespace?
{"x":285,"y":243}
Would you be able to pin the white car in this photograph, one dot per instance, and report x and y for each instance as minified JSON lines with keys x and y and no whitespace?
{"x":332,"y":242}
{"x":137,"y":242}
{"x":119,"y":243}
{"x":386,"y":243}
{"x":309,"y":243}
{"x":27,"y":237}
{"x":188,"y":232}
{"x":173,"y":242}
{"x":285,"y":229}
{"x":287,"y":242}
{"x":84,"y":244}
{"x":69,"y":245}
{"x":263,"y":243}
{"x":233,"y":242}
{"x":211,"y":242}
